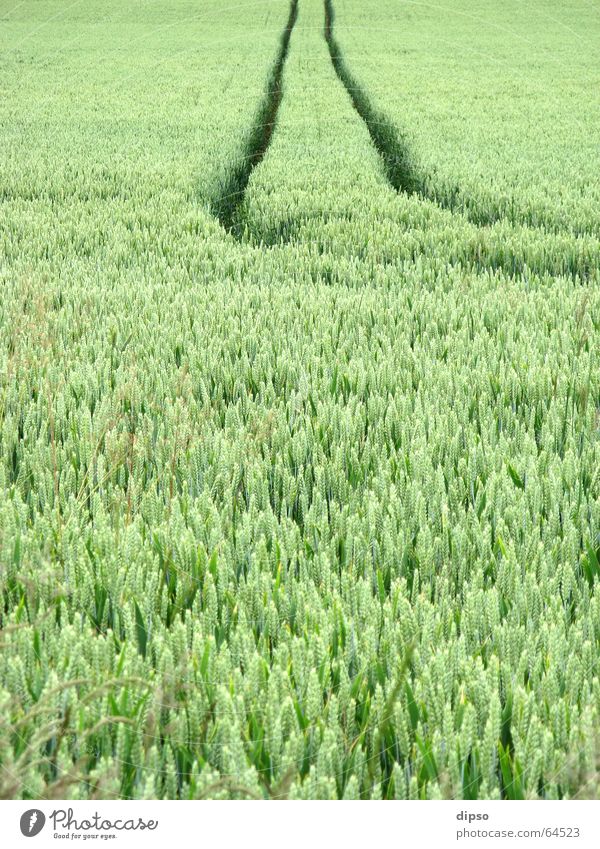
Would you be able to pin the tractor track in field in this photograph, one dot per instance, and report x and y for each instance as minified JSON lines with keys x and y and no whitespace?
{"x":227,"y":206}
{"x":394,"y":151}
{"x":399,"y":163}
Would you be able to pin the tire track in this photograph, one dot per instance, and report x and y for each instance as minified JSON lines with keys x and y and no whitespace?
{"x":482,"y":250}
{"x":391,"y":146}
{"x":399,"y":162}
{"x":226,"y":207}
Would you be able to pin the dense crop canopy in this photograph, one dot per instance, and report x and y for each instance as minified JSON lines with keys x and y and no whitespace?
{"x":306,"y":505}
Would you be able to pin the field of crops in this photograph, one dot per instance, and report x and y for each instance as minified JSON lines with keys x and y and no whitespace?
{"x":299,"y":399}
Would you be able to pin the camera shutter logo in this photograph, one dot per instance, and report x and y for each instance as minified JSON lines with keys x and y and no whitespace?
{"x":32,"y":822}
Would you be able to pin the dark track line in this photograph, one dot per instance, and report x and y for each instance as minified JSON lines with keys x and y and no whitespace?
{"x":400,"y":167}
{"x":227,"y":206}
{"x":390,"y":145}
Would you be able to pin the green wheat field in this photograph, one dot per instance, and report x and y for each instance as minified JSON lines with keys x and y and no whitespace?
{"x":299,"y":399}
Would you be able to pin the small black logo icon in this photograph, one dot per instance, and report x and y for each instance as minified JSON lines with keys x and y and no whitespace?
{"x":32,"y":822}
